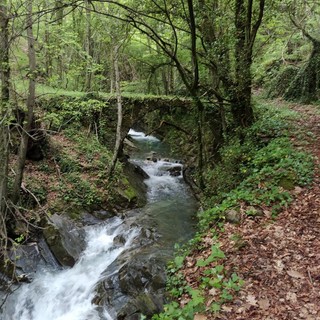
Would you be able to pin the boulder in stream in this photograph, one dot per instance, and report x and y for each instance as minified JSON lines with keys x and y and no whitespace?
{"x":175,"y":171}
{"x":65,"y":239}
{"x":139,"y":288}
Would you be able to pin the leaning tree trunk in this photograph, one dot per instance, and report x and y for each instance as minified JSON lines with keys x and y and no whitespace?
{"x":305,"y":87}
{"x":119,"y":137}
{"x":30,"y":105}
{"x":4,"y":112}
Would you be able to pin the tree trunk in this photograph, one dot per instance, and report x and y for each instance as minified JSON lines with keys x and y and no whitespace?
{"x":30,"y":105}
{"x":194,"y":89}
{"x":245,"y":35}
{"x":59,"y":19}
{"x":241,"y":107}
{"x":4,"y":106}
{"x":48,"y":50}
{"x":305,"y":87}
{"x":119,"y":137}
{"x":88,"y":48}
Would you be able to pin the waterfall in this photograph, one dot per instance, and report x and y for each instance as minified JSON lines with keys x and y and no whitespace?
{"x":68,"y":294}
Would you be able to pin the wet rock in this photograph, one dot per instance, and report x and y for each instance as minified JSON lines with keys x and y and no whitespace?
{"x":138,"y":289}
{"x":65,"y":239}
{"x":175,"y":171}
{"x":143,"y":303}
{"x":102,"y":214}
{"x":136,"y":176}
{"x":128,"y":144}
{"x":88,"y":219}
{"x":119,"y":240}
{"x":26,"y":259}
{"x":147,"y":236}
{"x":152,"y":156}
{"x":55,"y":242}
{"x":142,"y":275}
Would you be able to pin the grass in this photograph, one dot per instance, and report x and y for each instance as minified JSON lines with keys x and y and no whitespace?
{"x":21,"y":86}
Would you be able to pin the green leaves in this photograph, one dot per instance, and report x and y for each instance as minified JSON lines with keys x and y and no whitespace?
{"x":216,"y":254}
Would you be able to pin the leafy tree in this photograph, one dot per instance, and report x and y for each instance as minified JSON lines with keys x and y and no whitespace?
{"x":306,"y":85}
{"x":229,"y":51}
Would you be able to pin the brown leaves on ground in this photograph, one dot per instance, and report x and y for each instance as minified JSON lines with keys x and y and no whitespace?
{"x":279,"y":260}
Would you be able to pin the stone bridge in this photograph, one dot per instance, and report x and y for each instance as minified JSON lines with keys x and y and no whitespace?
{"x":135,"y":109}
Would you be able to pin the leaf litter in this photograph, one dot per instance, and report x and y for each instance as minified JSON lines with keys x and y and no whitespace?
{"x":279,"y":260}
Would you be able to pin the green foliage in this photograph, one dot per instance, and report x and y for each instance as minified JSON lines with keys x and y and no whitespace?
{"x":67,"y":163}
{"x":267,"y":175}
{"x":281,"y":82}
{"x":73,"y":111}
{"x":214,"y":276}
{"x":216,"y":254}
{"x":261,"y":170}
{"x":83,"y":167}
{"x":79,"y":192}
{"x":172,"y":311}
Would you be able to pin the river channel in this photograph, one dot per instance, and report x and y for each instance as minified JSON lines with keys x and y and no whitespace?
{"x":112,"y":246}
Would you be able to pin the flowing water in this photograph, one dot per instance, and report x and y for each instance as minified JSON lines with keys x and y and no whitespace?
{"x":171,"y":206}
{"x":67,"y":294}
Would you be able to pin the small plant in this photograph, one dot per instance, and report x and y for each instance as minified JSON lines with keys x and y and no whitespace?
{"x":216,"y":254}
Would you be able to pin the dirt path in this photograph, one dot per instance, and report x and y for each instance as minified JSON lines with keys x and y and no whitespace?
{"x":280,"y":260}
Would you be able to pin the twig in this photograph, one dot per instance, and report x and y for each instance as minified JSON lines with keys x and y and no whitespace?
{"x":26,"y":190}
{"x":163,"y":122}
{"x":310,"y":278}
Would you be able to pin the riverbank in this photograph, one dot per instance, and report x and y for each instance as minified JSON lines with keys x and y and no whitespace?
{"x":128,"y":276}
{"x":259,"y":260}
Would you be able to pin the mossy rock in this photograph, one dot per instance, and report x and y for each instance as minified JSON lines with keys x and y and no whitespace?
{"x":54,"y":241}
{"x":124,"y":198}
{"x":287,"y":183}
{"x":146,"y":305}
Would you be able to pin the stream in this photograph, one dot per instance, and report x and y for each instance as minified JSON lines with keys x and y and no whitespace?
{"x":113,"y":251}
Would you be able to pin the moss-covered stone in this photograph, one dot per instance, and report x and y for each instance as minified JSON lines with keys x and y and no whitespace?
{"x":54,"y":241}
{"x":146,"y":305}
{"x":287,"y":183}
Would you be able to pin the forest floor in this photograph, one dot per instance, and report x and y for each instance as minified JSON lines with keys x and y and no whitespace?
{"x":279,"y":259}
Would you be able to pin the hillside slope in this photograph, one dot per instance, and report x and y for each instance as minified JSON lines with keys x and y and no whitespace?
{"x":278,"y":259}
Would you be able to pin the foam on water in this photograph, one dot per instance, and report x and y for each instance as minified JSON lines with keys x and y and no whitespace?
{"x":68,"y":294}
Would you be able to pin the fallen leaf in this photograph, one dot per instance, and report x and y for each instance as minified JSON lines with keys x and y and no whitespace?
{"x":295,"y":274}
{"x":267,"y":213}
{"x":251,"y":299}
{"x":264,"y":304}
{"x":200,"y":317}
{"x":226,"y":309}
{"x":213,"y":292}
{"x":297,"y":190}
{"x":279,"y":265}
{"x":291,"y":296}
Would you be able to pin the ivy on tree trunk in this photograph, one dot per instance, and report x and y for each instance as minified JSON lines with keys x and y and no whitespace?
{"x":4,"y":109}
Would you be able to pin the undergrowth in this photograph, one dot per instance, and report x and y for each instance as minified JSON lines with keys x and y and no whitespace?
{"x":83,"y":181}
{"x":259,"y":172}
